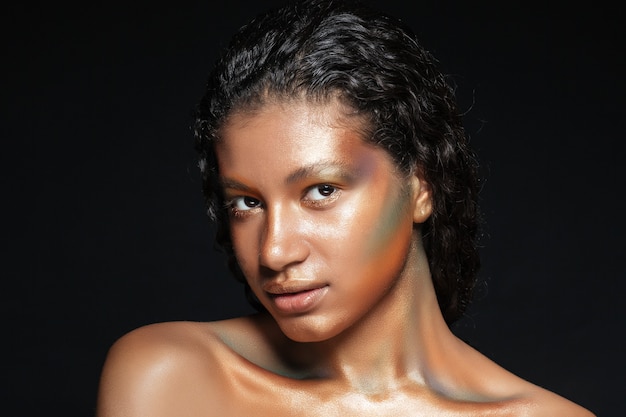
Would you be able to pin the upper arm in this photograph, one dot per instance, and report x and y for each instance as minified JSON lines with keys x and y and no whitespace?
{"x":155,"y":372}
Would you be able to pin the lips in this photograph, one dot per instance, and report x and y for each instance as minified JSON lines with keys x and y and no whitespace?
{"x":294,"y":299}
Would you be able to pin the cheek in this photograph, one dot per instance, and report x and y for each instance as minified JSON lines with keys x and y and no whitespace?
{"x":245,"y":247}
{"x":386,"y":246}
{"x":361,"y":233}
{"x":392,"y":226}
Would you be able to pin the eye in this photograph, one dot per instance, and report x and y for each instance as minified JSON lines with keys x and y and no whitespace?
{"x":244,"y":203}
{"x":320,"y":192}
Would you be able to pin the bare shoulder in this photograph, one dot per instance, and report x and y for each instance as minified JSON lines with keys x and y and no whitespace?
{"x":516,"y":395}
{"x":535,"y":401}
{"x":541,"y":402}
{"x":161,"y":369}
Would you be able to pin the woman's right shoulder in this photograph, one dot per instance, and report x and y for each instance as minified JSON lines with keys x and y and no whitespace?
{"x":162,"y":369}
{"x":162,"y":342}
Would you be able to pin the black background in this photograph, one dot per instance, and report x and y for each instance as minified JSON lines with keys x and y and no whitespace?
{"x":103,"y":226}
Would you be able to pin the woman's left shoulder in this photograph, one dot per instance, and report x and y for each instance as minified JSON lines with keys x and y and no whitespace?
{"x":541,"y":402}
{"x":517,"y":395}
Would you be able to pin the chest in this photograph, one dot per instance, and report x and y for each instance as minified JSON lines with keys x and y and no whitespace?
{"x":282,"y":397}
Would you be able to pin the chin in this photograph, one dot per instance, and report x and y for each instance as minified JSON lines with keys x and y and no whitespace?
{"x":307,"y":329}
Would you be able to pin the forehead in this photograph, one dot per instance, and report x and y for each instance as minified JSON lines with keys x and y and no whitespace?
{"x":290,"y":134}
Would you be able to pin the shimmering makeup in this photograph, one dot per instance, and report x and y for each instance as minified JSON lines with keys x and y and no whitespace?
{"x":324,"y":171}
{"x":332,"y":214}
{"x":397,"y":202}
{"x":321,"y":174}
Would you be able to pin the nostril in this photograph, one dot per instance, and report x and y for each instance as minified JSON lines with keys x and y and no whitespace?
{"x":278,"y":253}
{"x":283,"y":242}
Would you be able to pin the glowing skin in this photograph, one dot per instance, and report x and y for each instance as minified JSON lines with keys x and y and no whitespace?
{"x":327,"y":233}
{"x":316,"y":213}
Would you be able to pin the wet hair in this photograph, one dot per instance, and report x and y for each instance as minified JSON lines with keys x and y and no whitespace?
{"x":319,"y":50}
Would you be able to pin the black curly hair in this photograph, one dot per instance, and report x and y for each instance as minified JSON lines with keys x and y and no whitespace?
{"x":319,"y":50}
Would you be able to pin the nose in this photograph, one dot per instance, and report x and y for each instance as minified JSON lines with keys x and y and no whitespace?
{"x":283,"y":241}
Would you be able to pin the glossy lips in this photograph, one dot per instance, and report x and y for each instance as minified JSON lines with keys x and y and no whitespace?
{"x":296,"y":300}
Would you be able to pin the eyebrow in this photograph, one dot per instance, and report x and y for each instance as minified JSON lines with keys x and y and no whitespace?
{"x":233,"y":184}
{"x":334,"y":168}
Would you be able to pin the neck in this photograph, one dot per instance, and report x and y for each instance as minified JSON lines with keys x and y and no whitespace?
{"x":400,"y":341}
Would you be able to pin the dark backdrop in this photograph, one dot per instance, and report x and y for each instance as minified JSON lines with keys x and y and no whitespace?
{"x":103,"y":226}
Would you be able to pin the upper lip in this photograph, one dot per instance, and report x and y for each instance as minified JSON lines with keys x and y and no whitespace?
{"x":274,"y":288}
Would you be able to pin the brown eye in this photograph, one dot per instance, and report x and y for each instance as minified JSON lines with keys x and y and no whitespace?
{"x":245,"y":203}
{"x":320,"y":192}
{"x":251,"y":202}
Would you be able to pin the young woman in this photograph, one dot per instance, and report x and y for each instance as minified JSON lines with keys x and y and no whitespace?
{"x":336,"y":166}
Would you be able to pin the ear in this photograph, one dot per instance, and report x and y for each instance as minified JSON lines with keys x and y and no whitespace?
{"x":422,"y":199}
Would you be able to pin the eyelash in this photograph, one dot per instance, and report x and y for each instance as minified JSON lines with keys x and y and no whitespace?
{"x":326,"y":199}
{"x":231,"y":205}
{"x":311,"y":202}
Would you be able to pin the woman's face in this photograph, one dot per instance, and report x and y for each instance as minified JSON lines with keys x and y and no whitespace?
{"x":321,"y":221}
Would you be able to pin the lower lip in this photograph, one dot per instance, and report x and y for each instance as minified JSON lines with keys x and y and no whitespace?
{"x":300,"y":302}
